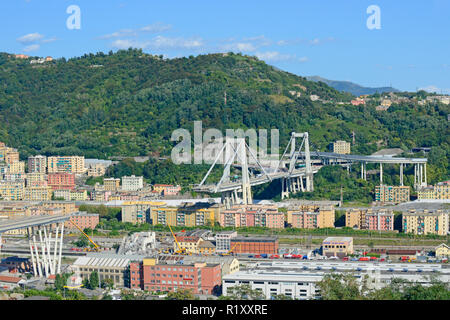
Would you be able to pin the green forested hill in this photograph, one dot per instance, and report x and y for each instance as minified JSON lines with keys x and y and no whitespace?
{"x":128,"y":103}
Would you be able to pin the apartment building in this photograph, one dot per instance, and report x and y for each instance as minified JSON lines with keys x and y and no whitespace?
{"x":337,"y":246}
{"x":132,"y":183}
{"x":188,"y":215}
{"x":83,"y":220}
{"x":16,"y":167}
{"x":426,"y":222}
{"x":66,"y":164}
{"x":36,"y":179}
{"x":370,"y":219}
{"x":310,"y":216}
{"x":71,"y":195}
{"x":37,"y":164}
{"x":8,"y":154}
{"x":111,"y":184}
{"x":38,"y":193}
{"x":61,"y":181}
{"x":152,"y":275}
{"x":341,"y":147}
{"x":166,"y":189}
{"x":138,"y":211}
{"x":392,"y":194}
{"x":67,"y":207}
{"x":12,"y":191}
{"x":252,"y":216}
{"x":440,"y":191}
{"x":96,"y":170}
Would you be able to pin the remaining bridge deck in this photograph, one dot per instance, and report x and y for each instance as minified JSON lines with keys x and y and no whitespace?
{"x":369,"y":159}
{"x":21,"y":223}
{"x":236,"y":185}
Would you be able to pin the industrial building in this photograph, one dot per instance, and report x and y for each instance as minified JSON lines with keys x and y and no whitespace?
{"x":337,"y":246}
{"x":298,"y":280}
{"x":228,"y":264}
{"x":153,"y":275}
{"x":223,"y":241}
{"x":254,"y":245}
{"x":108,"y":266}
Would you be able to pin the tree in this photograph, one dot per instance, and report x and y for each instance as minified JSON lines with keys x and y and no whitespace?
{"x":107,"y":283}
{"x":59,"y":282}
{"x":94,"y":280}
{"x":245,"y":292}
{"x":341,"y":287}
{"x":82,"y":242}
{"x":182,"y":294}
{"x":281,"y":297}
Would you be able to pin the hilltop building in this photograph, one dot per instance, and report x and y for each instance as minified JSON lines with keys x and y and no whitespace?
{"x":341,"y":147}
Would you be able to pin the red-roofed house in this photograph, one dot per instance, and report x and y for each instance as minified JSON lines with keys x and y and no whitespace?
{"x":9,"y":282}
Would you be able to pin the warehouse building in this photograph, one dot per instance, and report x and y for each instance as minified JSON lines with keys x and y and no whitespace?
{"x":337,"y":246}
{"x":255,"y":245}
{"x":298,"y":280}
{"x":108,"y":266}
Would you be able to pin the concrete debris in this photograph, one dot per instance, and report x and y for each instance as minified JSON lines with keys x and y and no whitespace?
{"x":141,"y":243}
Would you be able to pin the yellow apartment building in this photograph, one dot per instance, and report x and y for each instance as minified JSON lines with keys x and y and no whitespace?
{"x":425,"y":222}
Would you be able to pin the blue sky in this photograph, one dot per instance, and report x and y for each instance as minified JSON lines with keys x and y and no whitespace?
{"x":328,"y":38}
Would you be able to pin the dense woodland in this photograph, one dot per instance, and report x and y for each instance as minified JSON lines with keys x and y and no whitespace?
{"x":128,"y":103}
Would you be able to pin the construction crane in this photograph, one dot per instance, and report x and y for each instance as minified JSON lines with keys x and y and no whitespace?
{"x":180,"y":249}
{"x":231,"y":250}
{"x":97,"y":248}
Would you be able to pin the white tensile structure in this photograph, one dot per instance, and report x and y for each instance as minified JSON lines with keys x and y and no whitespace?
{"x":45,"y":239}
{"x":46,"y":252}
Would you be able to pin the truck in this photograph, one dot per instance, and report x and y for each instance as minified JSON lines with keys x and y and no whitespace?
{"x":364,"y":259}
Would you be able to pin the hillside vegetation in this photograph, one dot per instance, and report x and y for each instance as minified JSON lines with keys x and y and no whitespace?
{"x":128,"y":103}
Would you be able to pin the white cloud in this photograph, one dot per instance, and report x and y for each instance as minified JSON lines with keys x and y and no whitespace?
{"x":239,"y":46}
{"x":156,"y":27}
{"x":161,"y":42}
{"x":435,"y":89}
{"x":276,"y":56}
{"x":32,"y":47}
{"x":152,"y":28}
{"x":30,"y":38}
{"x":126,"y":43}
{"x":303,"y":59}
{"x":118,"y":34}
{"x":49,"y":40}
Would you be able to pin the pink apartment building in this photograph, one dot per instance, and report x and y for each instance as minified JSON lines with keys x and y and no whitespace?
{"x":252,"y":216}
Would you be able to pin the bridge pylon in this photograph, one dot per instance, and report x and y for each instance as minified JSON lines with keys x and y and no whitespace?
{"x":295,"y":184}
{"x":235,"y":150}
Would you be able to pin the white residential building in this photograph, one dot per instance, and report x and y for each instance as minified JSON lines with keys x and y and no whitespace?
{"x":132,"y":183}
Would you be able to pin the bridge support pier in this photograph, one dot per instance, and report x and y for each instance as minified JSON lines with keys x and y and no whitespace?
{"x":381,"y":173}
{"x":401,"y":174}
{"x":420,"y":175}
{"x":284,"y":188}
{"x":44,"y":262}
